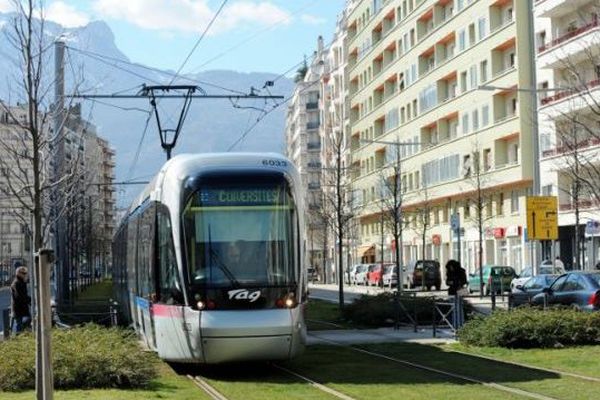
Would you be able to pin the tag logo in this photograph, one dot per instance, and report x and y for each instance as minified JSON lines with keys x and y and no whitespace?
{"x":244,"y":294}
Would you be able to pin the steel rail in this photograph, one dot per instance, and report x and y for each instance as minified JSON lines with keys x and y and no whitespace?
{"x":454,"y":375}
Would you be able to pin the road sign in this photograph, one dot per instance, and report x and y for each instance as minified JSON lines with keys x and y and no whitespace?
{"x":455,"y":222}
{"x":542,"y":218}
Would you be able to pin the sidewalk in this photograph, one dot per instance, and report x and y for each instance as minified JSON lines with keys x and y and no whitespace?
{"x":381,"y":335}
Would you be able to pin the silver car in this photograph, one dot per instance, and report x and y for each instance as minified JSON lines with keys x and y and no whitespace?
{"x":545,"y":268}
{"x":360,"y":277}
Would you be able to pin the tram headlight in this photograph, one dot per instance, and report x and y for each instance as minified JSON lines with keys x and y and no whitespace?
{"x":200,"y":305}
{"x":288,"y":301}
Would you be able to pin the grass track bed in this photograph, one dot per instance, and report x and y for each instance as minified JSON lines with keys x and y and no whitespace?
{"x":531,"y":380}
{"x":583,"y":360}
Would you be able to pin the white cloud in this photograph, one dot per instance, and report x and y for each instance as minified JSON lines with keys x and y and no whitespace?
{"x":6,"y":6}
{"x":312,"y":19}
{"x":66,"y":15}
{"x":190,"y":15}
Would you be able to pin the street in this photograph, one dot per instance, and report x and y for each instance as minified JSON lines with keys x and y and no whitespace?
{"x":329,"y":292}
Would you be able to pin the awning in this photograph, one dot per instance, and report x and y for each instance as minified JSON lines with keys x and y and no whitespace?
{"x":365,"y":250}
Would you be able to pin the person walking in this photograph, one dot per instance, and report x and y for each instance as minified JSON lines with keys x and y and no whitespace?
{"x":20,"y":301}
{"x":456,"y":279}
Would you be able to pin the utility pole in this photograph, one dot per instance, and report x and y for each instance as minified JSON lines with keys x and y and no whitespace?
{"x":45,"y":257}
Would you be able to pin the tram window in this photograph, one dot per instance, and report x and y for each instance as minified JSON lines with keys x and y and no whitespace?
{"x":241,"y":235}
{"x":169,"y":290}
{"x":145,"y":252}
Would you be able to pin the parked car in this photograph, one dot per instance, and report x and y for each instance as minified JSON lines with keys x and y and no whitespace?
{"x":544,"y":269}
{"x":361,"y":274}
{"x":577,"y":289}
{"x":5,"y":277}
{"x":524,"y":293}
{"x":375,"y":275}
{"x":390,"y":278}
{"x":498,"y":276}
{"x":312,"y":274}
{"x":351,"y":273}
{"x":427,"y":270}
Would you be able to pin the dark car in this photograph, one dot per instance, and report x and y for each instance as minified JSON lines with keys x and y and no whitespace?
{"x":577,"y":289}
{"x":424,"y":273}
{"x":497,"y":276}
{"x":523,"y":294}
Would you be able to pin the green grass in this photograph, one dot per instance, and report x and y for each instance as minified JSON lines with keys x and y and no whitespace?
{"x":97,"y":292}
{"x":168,"y":386}
{"x":363,"y":376}
{"x":583,"y":360}
{"x":533,"y":380}
{"x":323,"y":315}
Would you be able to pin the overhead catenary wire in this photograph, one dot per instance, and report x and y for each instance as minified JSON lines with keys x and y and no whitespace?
{"x":212,"y":21}
{"x":105,"y":58}
{"x":255,"y":35}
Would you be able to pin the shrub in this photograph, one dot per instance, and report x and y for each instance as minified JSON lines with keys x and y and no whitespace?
{"x":380,"y":310}
{"x":84,"y":357}
{"x":528,"y":327}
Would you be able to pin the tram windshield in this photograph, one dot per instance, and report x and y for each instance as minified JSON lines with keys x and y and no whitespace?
{"x":240,"y":235}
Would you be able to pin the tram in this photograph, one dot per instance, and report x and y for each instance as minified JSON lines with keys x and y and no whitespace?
{"x":208,"y":261}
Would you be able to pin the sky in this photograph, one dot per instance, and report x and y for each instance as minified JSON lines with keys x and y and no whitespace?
{"x":248,"y":35}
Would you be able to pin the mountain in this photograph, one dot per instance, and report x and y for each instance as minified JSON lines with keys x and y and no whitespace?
{"x":92,"y":65}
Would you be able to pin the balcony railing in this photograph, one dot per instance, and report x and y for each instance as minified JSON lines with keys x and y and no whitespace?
{"x":313,"y":145}
{"x":569,"y":92}
{"x":569,"y":148}
{"x":585,"y":203}
{"x":314,"y":165}
{"x":314,"y":185}
{"x":569,"y":35}
{"x":312,"y":125}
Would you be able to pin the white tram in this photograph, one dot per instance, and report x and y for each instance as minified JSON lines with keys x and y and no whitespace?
{"x":208,"y":262}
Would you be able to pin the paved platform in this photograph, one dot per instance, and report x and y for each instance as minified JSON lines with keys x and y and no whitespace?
{"x":381,"y":335}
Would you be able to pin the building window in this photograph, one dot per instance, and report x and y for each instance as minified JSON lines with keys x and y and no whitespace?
{"x":514,"y":201}
{"x":483,"y":66}
{"x":475,"y":120}
{"x":500,"y":204}
{"x":462,"y":40}
{"x":485,"y":115}
{"x":465,"y":123}
{"x":482,"y":27}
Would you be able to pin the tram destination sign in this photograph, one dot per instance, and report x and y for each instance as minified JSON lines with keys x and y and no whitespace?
{"x":542,"y":218}
{"x":242,"y":196}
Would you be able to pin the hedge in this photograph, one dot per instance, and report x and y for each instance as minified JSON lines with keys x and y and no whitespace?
{"x":83,"y":357}
{"x":528,"y":327}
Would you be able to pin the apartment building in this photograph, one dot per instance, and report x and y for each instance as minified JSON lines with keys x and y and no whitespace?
{"x":334,"y":133}
{"x":439,"y":78}
{"x":15,"y":175}
{"x":568,"y":66}
{"x":303,"y":148}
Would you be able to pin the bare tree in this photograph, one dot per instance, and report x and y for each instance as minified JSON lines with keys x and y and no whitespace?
{"x":337,"y":200}
{"x":392,"y":199}
{"x":480,"y":198}
{"x":421,"y":218}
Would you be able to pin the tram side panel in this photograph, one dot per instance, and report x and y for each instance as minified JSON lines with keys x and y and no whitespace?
{"x":177,"y":325}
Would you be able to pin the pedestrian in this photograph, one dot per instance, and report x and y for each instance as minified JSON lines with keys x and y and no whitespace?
{"x":456,"y":277}
{"x":20,"y":301}
{"x":560,"y":266}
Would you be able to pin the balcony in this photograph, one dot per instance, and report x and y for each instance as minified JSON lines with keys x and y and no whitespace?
{"x":314,"y":164}
{"x":558,"y":8}
{"x":581,"y":204}
{"x":569,"y":148}
{"x":312,"y":105}
{"x":313,"y":145}
{"x":312,"y":125}
{"x":569,"y":35}
{"x":314,"y":185}
{"x":570,"y":92}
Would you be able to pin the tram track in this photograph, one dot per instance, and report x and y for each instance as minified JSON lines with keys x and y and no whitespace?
{"x":207,"y":388}
{"x":215,"y":394}
{"x":461,"y":377}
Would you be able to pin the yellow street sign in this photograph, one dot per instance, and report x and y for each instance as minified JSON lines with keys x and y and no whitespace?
{"x":542,"y":218}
